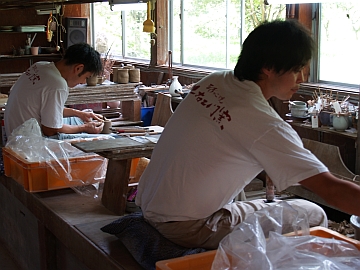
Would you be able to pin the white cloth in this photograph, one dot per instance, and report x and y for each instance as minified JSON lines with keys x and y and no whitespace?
{"x":220,"y":137}
{"x":39,"y":93}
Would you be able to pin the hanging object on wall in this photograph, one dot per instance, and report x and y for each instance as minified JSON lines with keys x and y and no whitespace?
{"x":148,"y":25}
{"x":53,"y":26}
{"x":49,"y":29}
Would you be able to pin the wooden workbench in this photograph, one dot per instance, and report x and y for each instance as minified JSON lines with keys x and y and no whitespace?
{"x":120,"y":152}
{"x":58,"y":229}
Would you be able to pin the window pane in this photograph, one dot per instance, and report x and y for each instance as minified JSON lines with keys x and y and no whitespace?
{"x":339,"y":42}
{"x":205,"y":33}
{"x":107,"y":29}
{"x":137,"y":43}
{"x":176,"y":31}
{"x":212,"y":31}
{"x":256,"y":12}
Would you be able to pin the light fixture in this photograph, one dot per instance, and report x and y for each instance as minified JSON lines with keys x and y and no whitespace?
{"x":46,"y":9}
{"x":148,"y":25}
{"x":278,"y":2}
{"x":119,"y":2}
{"x":116,"y":2}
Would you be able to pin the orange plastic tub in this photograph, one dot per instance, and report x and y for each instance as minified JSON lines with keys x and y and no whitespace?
{"x":203,"y":261}
{"x":39,"y":176}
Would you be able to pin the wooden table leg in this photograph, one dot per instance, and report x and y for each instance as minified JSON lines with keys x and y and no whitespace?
{"x":116,"y":185}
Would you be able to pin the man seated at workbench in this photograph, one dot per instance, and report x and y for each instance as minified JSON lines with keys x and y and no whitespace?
{"x":224,"y":133}
{"x":42,"y":90}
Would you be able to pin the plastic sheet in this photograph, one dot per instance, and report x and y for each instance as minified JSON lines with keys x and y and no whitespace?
{"x":27,"y":141}
{"x":258,"y":244}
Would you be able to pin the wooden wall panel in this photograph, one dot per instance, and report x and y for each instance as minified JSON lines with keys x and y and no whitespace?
{"x":10,"y":40}
{"x":28,"y":16}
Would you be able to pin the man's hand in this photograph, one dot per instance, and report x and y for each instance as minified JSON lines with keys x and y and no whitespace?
{"x":90,"y":116}
{"x":93,"y":127}
{"x":83,"y":115}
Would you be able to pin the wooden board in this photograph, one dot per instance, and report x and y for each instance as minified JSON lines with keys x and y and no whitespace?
{"x":119,"y":144}
{"x":8,"y":79}
{"x":125,"y":123}
{"x":83,"y":94}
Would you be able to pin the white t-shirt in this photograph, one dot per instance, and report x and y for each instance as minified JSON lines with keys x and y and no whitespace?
{"x":221,"y":136}
{"x":39,"y":93}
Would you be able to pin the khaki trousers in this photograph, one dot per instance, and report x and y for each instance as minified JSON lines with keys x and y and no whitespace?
{"x":208,"y":232}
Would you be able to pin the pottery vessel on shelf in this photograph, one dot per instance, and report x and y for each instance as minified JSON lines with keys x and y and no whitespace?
{"x":100,"y":79}
{"x":92,"y":81}
{"x":175,"y":88}
{"x":298,"y":108}
{"x":340,"y":122}
{"x":113,"y":104}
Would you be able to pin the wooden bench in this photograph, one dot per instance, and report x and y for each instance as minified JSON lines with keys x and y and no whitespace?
{"x":59,"y":229}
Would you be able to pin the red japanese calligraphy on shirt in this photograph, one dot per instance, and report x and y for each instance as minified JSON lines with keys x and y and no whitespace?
{"x":32,"y":74}
{"x":217,"y":111}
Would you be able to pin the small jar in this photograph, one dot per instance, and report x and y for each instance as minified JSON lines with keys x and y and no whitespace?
{"x":92,"y":81}
{"x":340,"y":122}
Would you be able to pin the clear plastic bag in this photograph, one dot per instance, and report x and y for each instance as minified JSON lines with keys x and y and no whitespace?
{"x":27,"y":142}
{"x":258,"y":244}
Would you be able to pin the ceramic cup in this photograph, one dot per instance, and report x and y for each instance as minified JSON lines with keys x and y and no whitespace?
{"x":107,"y":127}
{"x":27,"y":49}
{"x":92,"y":81}
{"x":34,"y":50}
{"x":100,"y":79}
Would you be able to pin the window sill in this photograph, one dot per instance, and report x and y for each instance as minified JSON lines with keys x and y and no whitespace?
{"x":337,"y":91}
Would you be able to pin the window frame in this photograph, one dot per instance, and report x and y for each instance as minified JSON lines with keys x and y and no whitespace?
{"x":314,"y":19}
{"x":308,"y":14}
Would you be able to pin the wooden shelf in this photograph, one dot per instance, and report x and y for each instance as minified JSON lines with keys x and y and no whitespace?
{"x":349,"y":133}
{"x":22,"y":57}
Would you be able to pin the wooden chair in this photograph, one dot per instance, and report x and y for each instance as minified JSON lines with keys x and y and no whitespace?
{"x":163,"y":110}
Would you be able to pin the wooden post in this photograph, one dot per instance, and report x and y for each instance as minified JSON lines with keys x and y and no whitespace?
{"x":116,"y":185}
{"x":131,"y":109}
{"x":357,"y":143}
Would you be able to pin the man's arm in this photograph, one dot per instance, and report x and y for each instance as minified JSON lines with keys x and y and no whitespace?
{"x":84,"y":116}
{"x":90,"y":127}
{"x":341,"y":194}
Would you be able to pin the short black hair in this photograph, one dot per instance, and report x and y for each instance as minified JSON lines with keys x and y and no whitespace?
{"x":281,"y":45}
{"x":83,"y":53}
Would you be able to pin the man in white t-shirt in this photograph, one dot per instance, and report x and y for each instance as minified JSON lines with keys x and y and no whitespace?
{"x":224,"y":133}
{"x":42,"y":90}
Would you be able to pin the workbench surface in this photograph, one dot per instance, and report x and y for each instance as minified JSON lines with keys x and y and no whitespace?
{"x":59,"y":230}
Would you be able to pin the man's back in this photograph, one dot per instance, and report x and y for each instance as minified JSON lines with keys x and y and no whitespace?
{"x":39,"y":93}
